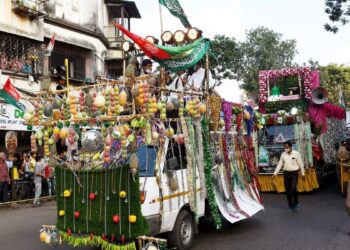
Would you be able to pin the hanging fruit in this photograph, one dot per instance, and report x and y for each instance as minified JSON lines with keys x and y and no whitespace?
{"x":61,"y":213}
{"x":115,"y":219}
{"x":43,"y":235}
{"x":148,"y":134}
{"x":107,"y":149}
{"x":57,"y":103}
{"x":76,"y":214}
{"x":162,"y":108}
{"x":152,"y":105}
{"x":123,"y":96}
{"x":63,"y":133}
{"x":46,"y":143}
{"x":132,"y":219}
{"x":72,"y":107}
{"x":88,"y":100}
{"x":48,"y":109}
{"x":116,"y":99}
{"x":100,"y":100}
{"x":39,"y":136}
{"x":92,"y":196}
{"x":36,"y":113}
{"x":28,"y":116}
{"x":122,"y":194}
{"x":66,"y":193}
{"x":169,"y":132}
{"x":134,"y":163}
{"x":181,"y":106}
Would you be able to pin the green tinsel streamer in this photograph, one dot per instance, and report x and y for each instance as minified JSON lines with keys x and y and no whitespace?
{"x":297,"y":136}
{"x":208,"y":180}
{"x":96,"y":241}
{"x":309,"y":146}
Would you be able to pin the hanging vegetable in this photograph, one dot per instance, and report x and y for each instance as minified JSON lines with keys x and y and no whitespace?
{"x":152,"y":105}
{"x":46,"y":143}
{"x":117,"y":105}
{"x":107,"y":149}
{"x":134,"y":164}
{"x":181,"y":106}
{"x":100,"y":100}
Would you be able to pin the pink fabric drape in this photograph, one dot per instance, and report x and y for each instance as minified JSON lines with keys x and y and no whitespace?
{"x":315,"y":79}
{"x":319,"y":114}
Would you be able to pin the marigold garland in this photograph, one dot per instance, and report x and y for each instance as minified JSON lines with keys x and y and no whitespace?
{"x":208,"y":178}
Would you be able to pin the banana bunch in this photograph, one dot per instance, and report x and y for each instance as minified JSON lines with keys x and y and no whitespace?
{"x":139,"y":123}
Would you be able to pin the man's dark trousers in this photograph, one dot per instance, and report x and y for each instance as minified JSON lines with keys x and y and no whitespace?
{"x":290,"y":183}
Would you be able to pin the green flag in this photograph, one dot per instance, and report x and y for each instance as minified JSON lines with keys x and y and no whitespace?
{"x":176,"y":10}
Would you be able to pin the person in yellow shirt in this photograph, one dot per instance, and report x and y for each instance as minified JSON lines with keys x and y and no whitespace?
{"x":291,"y":163}
{"x":32,"y":163}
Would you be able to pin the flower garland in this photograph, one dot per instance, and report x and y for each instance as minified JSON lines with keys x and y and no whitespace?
{"x":200,"y":157}
{"x":265,"y":75}
{"x":208,"y":178}
{"x":189,"y":155}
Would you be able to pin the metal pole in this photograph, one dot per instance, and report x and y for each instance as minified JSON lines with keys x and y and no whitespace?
{"x":161,"y":19}
{"x":66,"y":64}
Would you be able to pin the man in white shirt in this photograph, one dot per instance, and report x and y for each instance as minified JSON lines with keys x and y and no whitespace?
{"x":291,"y":162}
{"x":197,"y":79}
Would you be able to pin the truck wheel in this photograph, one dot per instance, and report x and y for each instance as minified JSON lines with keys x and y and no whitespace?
{"x":183,"y":233}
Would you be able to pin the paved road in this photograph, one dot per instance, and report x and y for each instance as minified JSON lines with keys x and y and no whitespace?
{"x":322,"y":223}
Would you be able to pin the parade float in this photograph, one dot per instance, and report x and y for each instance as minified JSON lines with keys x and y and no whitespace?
{"x":294,"y":107}
{"x":127,"y":170}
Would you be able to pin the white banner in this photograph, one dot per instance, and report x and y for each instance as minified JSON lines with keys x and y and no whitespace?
{"x":11,"y":118}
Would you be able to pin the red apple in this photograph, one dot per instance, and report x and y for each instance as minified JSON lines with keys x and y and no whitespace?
{"x":76,"y":214}
{"x":115,"y":219}
{"x":92,"y":196}
{"x":69,"y":232}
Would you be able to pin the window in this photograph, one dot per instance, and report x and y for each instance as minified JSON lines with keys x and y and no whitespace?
{"x":76,"y":56}
{"x":178,"y":151}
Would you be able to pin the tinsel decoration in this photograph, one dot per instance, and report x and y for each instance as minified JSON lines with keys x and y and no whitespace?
{"x":239,"y":116}
{"x":309,"y":145}
{"x":215,"y":107}
{"x":208,"y":178}
{"x":227,"y":109}
{"x":189,"y":155}
{"x":250,"y":123}
{"x":95,"y":241}
{"x":199,"y":140}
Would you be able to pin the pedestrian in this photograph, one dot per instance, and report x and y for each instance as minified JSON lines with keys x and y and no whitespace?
{"x":38,"y":176}
{"x":4,"y":178}
{"x":25,"y":169}
{"x":290,"y":162}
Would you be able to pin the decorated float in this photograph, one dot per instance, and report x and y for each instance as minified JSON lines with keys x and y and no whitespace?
{"x":132,"y":161}
{"x":294,"y":107}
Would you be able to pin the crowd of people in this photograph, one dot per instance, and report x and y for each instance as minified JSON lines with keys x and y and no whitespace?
{"x":185,"y":80}
{"x":31,"y":168}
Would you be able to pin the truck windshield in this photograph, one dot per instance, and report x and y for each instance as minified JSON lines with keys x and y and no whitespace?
{"x":147,"y":156}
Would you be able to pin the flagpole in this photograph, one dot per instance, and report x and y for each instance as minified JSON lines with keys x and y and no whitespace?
{"x":67,"y":74}
{"x":161,"y":19}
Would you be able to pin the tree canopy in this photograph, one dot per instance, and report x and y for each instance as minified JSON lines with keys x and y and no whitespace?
{"x":262,"y":49}
{"x":333,"y":77}
{"x":338,"y":12}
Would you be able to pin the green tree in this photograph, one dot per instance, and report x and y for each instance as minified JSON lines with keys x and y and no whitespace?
{"x":225,"y":61}
{"x":334,"y":76}
{"x":338,"y":12}
{"x":263,"y":49}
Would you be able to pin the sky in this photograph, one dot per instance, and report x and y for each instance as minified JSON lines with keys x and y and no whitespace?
{"x":301,"y":20}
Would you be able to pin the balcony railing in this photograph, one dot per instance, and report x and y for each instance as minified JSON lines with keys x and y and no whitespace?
{"x":29,"y":8}
{"x":112,"y":33}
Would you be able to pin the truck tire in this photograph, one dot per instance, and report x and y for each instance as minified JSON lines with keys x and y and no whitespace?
{"x":183,"y":233}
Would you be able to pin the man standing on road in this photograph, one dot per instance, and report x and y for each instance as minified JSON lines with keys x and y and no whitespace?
{"x":4,"y":177}
{"x":38,"y":175}
{"x":291,"y":163}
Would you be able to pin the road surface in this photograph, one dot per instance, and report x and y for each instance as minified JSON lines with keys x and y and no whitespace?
{"x":321,"y":223}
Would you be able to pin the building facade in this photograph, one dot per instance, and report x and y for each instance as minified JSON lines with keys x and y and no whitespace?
{"x":84,"y":34}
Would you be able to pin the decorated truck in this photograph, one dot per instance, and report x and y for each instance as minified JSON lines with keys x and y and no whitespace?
{"x":132,"y":161}
{"x":293,"y":107}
